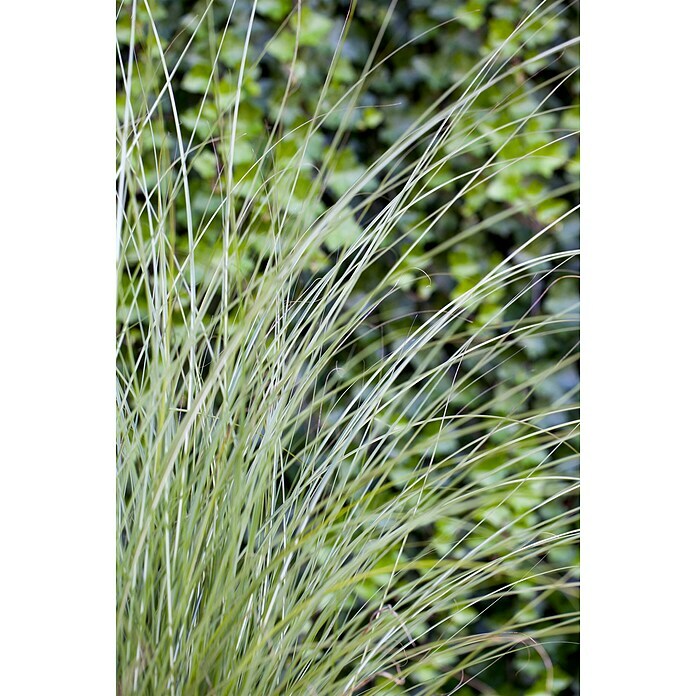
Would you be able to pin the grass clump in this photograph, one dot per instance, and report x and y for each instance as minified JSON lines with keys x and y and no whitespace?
{"x":319,"y":491}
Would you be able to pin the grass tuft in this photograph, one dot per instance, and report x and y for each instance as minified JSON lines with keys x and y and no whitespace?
{"x":317,"y":493}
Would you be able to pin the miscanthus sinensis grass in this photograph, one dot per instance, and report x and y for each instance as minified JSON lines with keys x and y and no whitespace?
{"x":283,"y":451}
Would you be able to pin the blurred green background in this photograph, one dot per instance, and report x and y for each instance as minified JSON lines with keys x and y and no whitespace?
{"x":447,"y":38}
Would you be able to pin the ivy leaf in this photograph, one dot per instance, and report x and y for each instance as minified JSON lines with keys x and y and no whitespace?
{"x":196,"y":79}
{"x":205,"y":164}
{"x":343,"y":234}
{"x":274,"y":9}
{"x":314,"y":27}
